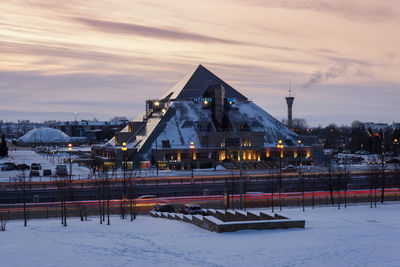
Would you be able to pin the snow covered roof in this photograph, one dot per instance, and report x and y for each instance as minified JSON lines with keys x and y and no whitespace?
{"x":181,"y":129}
{"x":261,"y":121}
{"x":182,"y":119}
{"x":93,"y":123}
{"x":44,"y":135}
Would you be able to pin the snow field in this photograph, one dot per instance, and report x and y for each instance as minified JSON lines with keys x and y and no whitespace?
{"x":47,"y":162}
{"x":355,"y":236}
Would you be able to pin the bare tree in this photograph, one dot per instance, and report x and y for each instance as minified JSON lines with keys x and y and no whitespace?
{"x":373,"y":178}
{"x":3,"y":222}
{"x":330,"y":184}
{"x":23,"y":179}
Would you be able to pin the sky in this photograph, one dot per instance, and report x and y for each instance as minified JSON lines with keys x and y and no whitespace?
{"x":104,"y":58}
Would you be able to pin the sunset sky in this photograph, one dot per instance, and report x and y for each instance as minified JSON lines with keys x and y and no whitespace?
{"x":103,"y":58}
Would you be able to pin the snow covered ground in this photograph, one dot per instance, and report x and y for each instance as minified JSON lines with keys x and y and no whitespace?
{"x":355,"y":236}
{"x":47,"y":162}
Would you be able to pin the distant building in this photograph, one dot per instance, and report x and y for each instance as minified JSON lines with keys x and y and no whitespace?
{"x":375,"y":126}
{"x":199,"y":123}
{"x":92,"y":130}
{"x":44,"y":136}
{"x":395,"y":125}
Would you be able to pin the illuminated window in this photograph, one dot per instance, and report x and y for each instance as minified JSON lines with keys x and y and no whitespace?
{"x":222,"y":155}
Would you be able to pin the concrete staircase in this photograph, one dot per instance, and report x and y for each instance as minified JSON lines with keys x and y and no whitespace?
{"x":230,"y":221}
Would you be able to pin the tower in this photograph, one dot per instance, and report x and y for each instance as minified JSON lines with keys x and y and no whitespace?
{"x":289,"y":101}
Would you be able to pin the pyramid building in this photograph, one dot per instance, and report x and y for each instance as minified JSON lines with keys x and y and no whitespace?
{"x":200,"y":122}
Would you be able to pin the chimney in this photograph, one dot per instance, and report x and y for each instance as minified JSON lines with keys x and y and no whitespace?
{"x":289,"y":101}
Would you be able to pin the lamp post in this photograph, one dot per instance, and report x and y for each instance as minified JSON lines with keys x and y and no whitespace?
{"x":70,"y":161}
{"x":124,"y":148}
{"x":383,"y":167}
{"x":70,"y":182}
{"x":280,"y":147}
{"x":191,"y":166}
{"x":300,"y":177}
{"x":241,"y":173}
{"x":156,"y":155}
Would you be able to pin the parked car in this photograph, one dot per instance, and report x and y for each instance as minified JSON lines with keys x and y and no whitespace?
{"x":23,"y":166}
{"x":61,"y":169}
{"x":164,"y":208}
{"x":46,"y":172}
{"x":192,"y":209}
{"x":290,"y":168}
{"x":36,"y":166}
{"x":8,"y":166}
{"x":34,"y":173}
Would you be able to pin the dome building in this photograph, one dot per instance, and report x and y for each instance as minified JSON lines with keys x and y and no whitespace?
{"x":44,"y":136}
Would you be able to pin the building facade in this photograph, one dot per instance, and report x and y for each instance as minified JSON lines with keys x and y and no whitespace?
{"x":202,"y":122}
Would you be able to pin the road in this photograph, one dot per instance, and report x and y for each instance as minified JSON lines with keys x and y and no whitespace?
{"x":86,"y":190}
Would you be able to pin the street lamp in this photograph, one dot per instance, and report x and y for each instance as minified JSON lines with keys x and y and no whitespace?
{"x":280,"y":147}
{"x":395,"y":144}
{"x":383,"y":167}
{"x":241,"y":172}
{"x":70,"y":161}
{"x":192,"y":149}
{"x":124,"y":148}
{"x":299,"y":160}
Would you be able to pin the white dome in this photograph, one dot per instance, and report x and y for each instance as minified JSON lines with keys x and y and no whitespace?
{"x":44,"y":135}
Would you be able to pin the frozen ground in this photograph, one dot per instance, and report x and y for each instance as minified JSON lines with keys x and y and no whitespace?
{"x":47,"y":161}
{"x":355,"y":236}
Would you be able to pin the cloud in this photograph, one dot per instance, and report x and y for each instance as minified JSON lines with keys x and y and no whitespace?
{"x":152,"y":32}
{"x":365,"y":11}
{"x":330,"y":74}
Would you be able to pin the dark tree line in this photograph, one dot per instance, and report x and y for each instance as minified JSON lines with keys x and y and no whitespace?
{"x":354,"y":138}
{"x":3,"y":147}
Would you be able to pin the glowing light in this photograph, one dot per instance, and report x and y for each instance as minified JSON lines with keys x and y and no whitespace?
{"x":124,"y":148}
{"x":191,"y":145}
{"x":69,"y":146}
